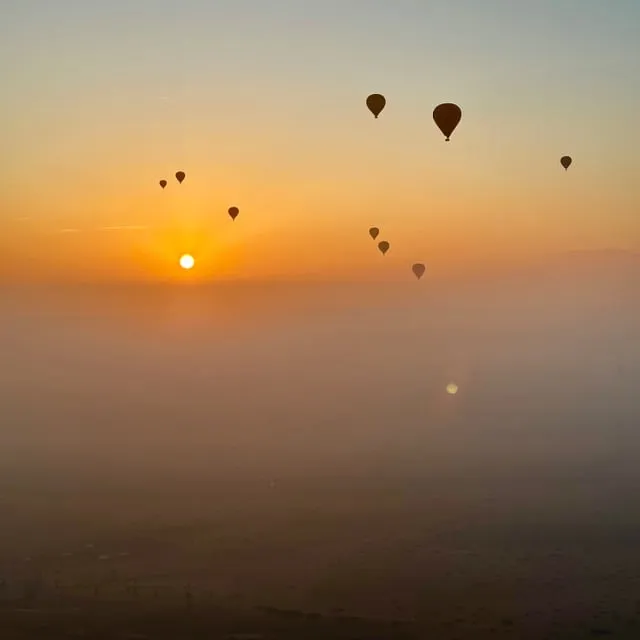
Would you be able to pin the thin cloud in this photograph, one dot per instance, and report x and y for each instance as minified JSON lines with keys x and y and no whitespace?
{"x":68,"y":230}
{"x":126,"y":227}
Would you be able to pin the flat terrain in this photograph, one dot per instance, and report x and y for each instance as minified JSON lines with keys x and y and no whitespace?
{"x":386,"y":560}
{"x":201,"y":462}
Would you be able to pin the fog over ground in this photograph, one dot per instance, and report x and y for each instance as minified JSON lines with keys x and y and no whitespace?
{"x":307,"y":430}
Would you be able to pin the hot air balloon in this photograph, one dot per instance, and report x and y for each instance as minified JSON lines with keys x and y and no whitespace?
{"x":418,"y":269}
{"x":163,"y":183}
{"x":566,"y":161}
{"x":233,"y":212}
{"x":447,"y":116}
{"x":373,"y":232}
{"x":376,"y":103}
{"x":383,"y":246}
{"x":180,"y":176}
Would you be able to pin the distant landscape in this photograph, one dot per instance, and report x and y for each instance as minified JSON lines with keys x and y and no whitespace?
{"x":313,"y":463}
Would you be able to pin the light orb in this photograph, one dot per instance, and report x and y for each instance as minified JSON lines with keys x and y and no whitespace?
{"x":187,"y":262}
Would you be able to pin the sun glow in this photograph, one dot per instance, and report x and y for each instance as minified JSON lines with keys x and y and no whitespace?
{"x":187,"y":262}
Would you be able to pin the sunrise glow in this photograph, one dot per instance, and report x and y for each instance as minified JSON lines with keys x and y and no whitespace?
{"x":187,"y":262}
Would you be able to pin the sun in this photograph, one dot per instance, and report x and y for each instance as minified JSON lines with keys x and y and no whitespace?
{"x":187,"y":262}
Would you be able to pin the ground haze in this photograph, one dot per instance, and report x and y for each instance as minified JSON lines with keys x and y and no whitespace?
{"x":293,"y":448}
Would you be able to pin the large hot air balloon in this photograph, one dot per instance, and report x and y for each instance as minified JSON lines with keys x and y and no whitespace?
{"x":163,"y":183}
{"x":180,"y":176}
{"x":566,"y":161}
{"x":233,"y":212}
{"x":373,"y":232}
{"x":383,"y":246}
{"x":418,"y":269}
{"x":447,"y":116}
{"x":376,"y":103}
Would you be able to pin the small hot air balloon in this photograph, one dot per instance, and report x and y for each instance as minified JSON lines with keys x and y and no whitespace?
{"x":233,"y":212}
{"x":383,"y":246}
{"x":418,"y":269}
{"x":566,"y":161}
{"x":447,"y":116}
{"x":373,"y":232}
{"x":180,"y":176}
{"x":163,"y":183}
{"x":376,"y":103}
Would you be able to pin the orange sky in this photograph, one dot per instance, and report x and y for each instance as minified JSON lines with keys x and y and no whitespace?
{"x":90,"y":129}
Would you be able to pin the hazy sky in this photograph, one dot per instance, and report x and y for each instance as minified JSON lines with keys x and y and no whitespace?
{"x":262,"y":103}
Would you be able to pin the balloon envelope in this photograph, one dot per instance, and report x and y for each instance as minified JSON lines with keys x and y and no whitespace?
{"x":566,"y":161}
{"x":233,"y":212}
{"x":180,"y":176}
{"x":376,"y":103}
{"x":163,"y":183}
{"x":373,"y":232}
{"x":383,"y":246}
{"x":447,"y":116}
{"x":418,"y":269}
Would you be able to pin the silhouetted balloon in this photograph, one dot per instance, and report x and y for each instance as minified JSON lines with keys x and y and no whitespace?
{"x":180,"y":176}
{"x":233,"y":212}
{"x":373,"y":232}
{"x":447,"y":116}
{"x":383,"y":246}
{"x":418,"y":269}
{"x":163,"y":183}
{"x":376,"y":103}
{"x":566,"y":161}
